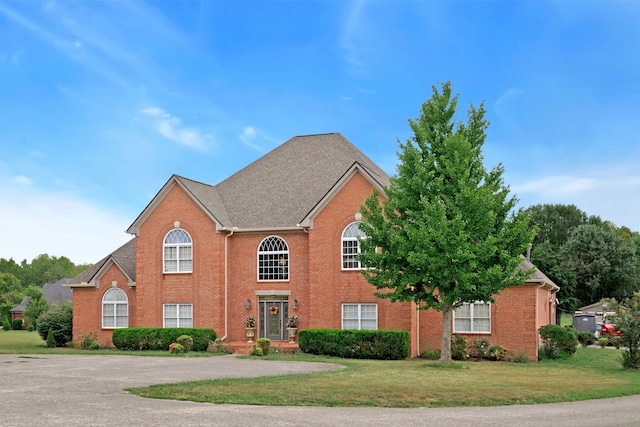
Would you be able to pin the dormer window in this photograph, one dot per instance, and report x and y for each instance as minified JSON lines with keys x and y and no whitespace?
{"x":178,"y":252}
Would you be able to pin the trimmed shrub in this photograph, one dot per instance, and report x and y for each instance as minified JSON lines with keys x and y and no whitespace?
{"x":602,"y":342}
{"x":586,"y":338}
{"x":355,"y":344}
{"x":616,"y":341}
{"x":458,"y":347}
{"x":264,"y":344}
{"x":16,"y":324}
{"x":520,"y":358}
{"x":256,"y":351}
{"x":176,"y":348}
{"x":186,"y":341}
{"x":86,"y":341}
{"x":481,"y":348}
{"x":558,"y":341}
{"x":6,"y":326}
{"x":430,"y":354}
{"x":94,"y":346}
{"x":51,"y":340}
{"x":59,"y":319}
{"x":497,"y":352}
{"x":160,"y":338}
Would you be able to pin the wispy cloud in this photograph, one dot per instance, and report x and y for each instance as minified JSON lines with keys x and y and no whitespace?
{"x":171,"y":128}
{"x":505,"y":102}
{"x":21,"y":180}
{"x":556,"y":186}
{"x":352,"y":39}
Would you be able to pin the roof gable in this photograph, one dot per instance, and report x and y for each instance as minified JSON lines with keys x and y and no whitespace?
{"x":278,"y":190}
{"x":281,"y":188}
{"x":124,"y":258}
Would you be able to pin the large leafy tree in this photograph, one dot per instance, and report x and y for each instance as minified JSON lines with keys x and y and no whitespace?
{"x":447,"y":232}
{"x":604,"y":265}
{"x":554,"y":223}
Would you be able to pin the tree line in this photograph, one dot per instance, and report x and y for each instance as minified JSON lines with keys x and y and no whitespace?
{"x":589,"y":258}
{"x":27,"y":279}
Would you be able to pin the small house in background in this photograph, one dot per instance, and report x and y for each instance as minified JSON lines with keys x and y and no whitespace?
{"x":54,"y":293}
{"x":598,"y":309}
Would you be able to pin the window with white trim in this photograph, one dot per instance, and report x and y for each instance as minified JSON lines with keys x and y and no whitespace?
{"x":177,"y":252}
{"x":472,"y":317}
{"x":351,"y":237}
{"x":273,"y":260}
{"x":178,"y":315}
{"x":115,"y":309}
{"x":360,"y":316}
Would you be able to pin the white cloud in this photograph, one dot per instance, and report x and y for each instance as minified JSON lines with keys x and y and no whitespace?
{"x":556,"y":186}
{"x":248,"y":135}
{"x":171,"y":128}
{"x":21,"y":180}
{"x":59,"y":224}
{"x":352,"y":40}
{"x":610,"y":194}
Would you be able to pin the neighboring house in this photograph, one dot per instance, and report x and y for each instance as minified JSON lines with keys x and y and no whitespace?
{"x":275,"y":239}
{"x":53,"y":293}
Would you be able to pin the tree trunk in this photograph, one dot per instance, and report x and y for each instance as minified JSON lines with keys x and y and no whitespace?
{"x":445,"y":343}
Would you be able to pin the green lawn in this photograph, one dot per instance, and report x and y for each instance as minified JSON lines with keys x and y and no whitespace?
{"x":25,"y":342}
{"x":592,"y":373}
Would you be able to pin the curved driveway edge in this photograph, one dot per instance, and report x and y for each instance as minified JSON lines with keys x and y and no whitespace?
{"x":69,"y":390}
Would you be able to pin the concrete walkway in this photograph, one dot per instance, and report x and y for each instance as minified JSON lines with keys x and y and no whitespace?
{"x":65,"y":390}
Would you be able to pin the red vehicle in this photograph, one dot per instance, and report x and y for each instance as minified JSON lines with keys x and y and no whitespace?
{"x":608,"y":328}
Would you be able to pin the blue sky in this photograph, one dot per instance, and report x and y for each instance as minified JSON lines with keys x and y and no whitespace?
{"x":102,"y":101}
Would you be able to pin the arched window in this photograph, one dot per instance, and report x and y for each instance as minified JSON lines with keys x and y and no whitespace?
{"x":178,"y":257}
{"x":115,"y":309}
{"x":351,"y":246}
{"x":273,"y":259}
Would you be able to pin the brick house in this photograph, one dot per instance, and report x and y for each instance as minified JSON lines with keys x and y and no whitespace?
{"x":275,"y":239}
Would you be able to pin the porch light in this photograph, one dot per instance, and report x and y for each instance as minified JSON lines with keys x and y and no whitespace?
{"x":295,"y":304}
{"x":247,"y":304}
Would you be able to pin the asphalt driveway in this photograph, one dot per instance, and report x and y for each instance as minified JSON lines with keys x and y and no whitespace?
{"x":65,"y":390}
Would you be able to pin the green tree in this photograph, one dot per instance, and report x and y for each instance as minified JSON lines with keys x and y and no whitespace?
{"x":628,"y":322}
{"x":36,"y":306}
{"x":10,"y":292}
{"x":554,"y":223}
{"x":447,"y":232}
{"x":59,"y":320}
{"x":603,"y":264}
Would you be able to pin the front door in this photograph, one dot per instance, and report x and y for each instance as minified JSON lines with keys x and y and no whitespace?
{"x":273,"y":315}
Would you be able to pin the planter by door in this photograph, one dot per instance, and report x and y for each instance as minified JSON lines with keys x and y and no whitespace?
{"x":251,"y":333}
{"x":292,"y":335}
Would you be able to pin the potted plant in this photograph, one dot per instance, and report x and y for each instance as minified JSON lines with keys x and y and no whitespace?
{"x":292,"y":327}
{"x":250,"y":327}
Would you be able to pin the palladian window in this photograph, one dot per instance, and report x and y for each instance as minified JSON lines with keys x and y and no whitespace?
{"x":273,"y":260}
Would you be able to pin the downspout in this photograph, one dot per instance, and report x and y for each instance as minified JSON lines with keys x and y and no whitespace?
{"x":226,"y":284}
{"x":418,"y":330}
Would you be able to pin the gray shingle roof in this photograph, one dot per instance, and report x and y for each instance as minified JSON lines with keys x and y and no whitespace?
{"x":282,"y":187}
{"x":537,"y":275}
{"x":56,"y":293}
{"x":124,"y":257}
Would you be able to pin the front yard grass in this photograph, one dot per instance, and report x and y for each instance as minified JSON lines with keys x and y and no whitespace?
{"x":592,"y":373}
{"x":415,"y":383}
